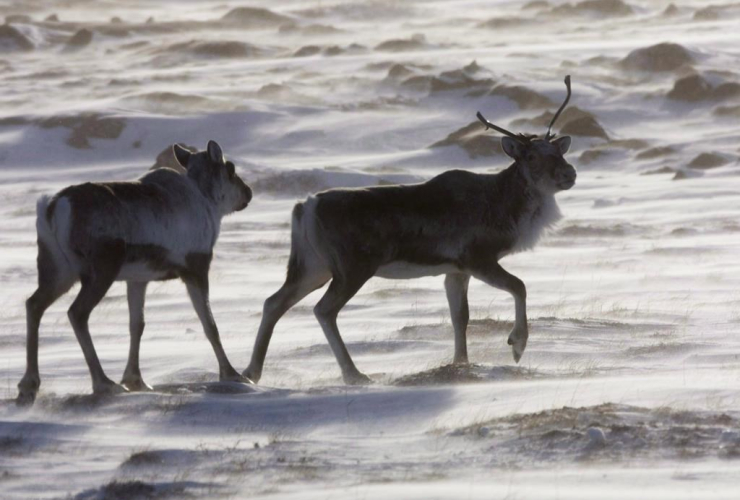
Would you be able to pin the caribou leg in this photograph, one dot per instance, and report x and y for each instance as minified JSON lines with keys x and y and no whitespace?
{"x":136,"y":294}
{"x":96,"y":282}
{"x":196,"y":282}
{"x":295,"y":288}
{"x":456,"y":286}
{"x":341,"y":289}
{"x":497,"y":277}
{"x":53,"y":283}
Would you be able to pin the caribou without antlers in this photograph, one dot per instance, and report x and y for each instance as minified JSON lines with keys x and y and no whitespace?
{"x":459,"y":224}
{"x":161,"y":227}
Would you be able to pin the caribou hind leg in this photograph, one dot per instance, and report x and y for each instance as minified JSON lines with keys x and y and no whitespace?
{"x":136,"y":294}
{"x":53,"y":283}
{"x":456,"y":286}
{"x":298,"y":284}
{"x":307,"y":271}
{"x":100,"y":274}
{"x":341,"y":289}
{"x":496,"y":276}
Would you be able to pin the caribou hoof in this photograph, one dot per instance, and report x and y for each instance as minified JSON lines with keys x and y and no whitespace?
{"x":252,"y":374}
{"x":460,"y":361}
{"x":25,"y":398}
{"x":235,"y":377}
{"x":28,"y":387}
{"x":136,"y":385}
{"x":357,"y":378}
{"x":518,"y":343}
{"x":108,"y":388}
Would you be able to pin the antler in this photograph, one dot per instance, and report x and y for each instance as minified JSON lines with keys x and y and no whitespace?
{"x":521,"y":138}
{"x":517,"y":137}
{"x":549,"y":134}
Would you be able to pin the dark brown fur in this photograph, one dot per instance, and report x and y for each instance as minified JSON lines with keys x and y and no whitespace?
{"x":419,"y":220}
{"x":95,"y":231}
{"x":458,"y":223}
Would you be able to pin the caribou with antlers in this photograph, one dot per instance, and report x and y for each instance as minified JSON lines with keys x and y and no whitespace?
{"x":459,"y":224}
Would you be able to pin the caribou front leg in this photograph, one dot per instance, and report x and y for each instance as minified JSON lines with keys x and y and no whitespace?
{"x":496,"y":276}
{"x":196,"y":281}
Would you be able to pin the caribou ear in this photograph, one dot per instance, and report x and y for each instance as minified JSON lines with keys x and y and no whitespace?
{"x":563,"y":144}
{"x":182,"y":155}
{"x":512,"y":147}
{"x":214,"y":152}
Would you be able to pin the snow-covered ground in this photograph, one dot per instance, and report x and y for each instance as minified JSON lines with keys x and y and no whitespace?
{"x":630,"y":385}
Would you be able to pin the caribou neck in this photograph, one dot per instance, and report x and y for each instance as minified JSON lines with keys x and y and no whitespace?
{"x":518,"y":190}
{"x":531,"y":211}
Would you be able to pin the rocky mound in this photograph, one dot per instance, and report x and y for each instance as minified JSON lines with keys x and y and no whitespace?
{"x":659,"y":58}
{"x":474,"y":140}
{"x":727,"y":111}
{"x":331,"y":50}
{"x":86,"y":126}
{"x":695,"y":88}
{"x":600,"y":7}
{"x":254,"y":18}
{"x":82,"y":38}
{"x":310,"y":29}
{"x":586,"y":126}
{"x":523,"y":97}
{"x":714,"y":12}
{"x":706,"y":161}
{"x":583,"y":123}
{"x":406,"y":76}
{"x":223,"y":49}
{"x":416,"y":42}
{"x":12,"y":40}
{"x":504,"y":22}
{"x":656,"y":152}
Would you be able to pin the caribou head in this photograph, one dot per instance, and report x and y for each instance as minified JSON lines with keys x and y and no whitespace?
{"x":540,"y":160}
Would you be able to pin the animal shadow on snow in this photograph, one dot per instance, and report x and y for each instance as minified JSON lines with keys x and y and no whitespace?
{"x":88,"y":402}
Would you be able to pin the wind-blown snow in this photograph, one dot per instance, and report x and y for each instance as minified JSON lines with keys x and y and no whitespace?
{"x":630,"y":386}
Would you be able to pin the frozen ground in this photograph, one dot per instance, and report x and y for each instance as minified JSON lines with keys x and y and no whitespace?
{"x":630,"y":386}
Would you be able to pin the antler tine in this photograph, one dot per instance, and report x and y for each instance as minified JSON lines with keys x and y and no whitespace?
{"x":549,"y":134}
{"x":488,"y":125}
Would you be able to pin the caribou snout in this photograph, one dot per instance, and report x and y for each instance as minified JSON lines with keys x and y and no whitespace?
{"x":247,"y":197}
{"x":567,"y":177}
